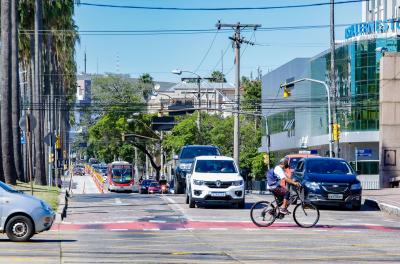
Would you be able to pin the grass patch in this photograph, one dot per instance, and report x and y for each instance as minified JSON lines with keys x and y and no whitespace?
{"x":45,"y":193}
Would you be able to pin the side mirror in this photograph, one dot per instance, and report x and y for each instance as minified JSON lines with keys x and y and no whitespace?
{"x":176,"y":157}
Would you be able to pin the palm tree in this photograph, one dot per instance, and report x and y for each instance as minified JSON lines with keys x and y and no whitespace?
{"x":6,"y":119}
{"x":15,"y":92}
{"x":146,"y":85}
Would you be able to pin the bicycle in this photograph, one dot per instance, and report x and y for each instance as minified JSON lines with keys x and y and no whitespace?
{"x":305,"y":214}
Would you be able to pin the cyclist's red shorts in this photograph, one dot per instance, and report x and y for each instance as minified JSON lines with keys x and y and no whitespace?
{"x":281,"y":192}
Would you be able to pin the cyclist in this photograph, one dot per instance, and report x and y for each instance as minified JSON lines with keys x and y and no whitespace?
{"x":274,"y":177}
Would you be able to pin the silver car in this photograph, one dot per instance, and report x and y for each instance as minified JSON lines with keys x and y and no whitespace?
{"x":21,"y":215}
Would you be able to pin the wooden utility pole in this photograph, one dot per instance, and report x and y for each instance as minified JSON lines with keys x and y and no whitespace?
{"x":237,"y":41}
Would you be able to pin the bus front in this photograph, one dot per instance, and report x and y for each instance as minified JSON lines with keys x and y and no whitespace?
{"x":121,"y":177}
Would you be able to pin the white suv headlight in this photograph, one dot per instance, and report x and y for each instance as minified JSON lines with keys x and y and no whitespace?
{"x":237,"y":183}
{"x":198,"y":182}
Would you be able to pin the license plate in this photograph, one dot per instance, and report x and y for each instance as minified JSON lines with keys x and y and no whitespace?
{"x":218,"y":194}
{"x":335,"y":196}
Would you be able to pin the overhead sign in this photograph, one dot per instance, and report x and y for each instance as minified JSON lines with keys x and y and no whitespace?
{"x":373,"y":27}
{"x":164,"y":123}
{"x":364,"y":152}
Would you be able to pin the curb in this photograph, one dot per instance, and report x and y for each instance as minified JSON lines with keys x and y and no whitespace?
{"x":387,"y":208}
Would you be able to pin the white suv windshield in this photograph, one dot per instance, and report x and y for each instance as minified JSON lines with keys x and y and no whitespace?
{"x":215,"y":166}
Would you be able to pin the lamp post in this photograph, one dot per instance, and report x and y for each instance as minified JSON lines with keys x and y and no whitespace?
{"x":179,"y":72}
{"x":291,"y":83}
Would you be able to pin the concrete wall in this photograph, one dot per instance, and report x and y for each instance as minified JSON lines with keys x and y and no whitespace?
{"x":389,"y":137}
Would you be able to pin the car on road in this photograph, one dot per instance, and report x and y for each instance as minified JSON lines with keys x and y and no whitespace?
{"x":144,"y":186}
{"x":154,"y":187}
{"x":184,"y":162}
{"x":214,"y":180}
{"x":329,"y":181}
{"x":21,"y":215}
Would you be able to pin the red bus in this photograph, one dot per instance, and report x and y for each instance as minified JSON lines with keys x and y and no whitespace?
{"x":120,"y":176}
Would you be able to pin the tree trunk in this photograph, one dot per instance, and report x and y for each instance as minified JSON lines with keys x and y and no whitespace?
{"x":6,"y":118}
{"x":40,"y":173}
{"x":151,"y":159}
{"x":16,"y":92}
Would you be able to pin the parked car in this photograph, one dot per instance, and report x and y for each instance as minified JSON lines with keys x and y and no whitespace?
{"x":144,"y":186}
{"x":329,"y":181}
{"x":185,"y":160}
{"x":295,"y":158}
{"x":214,"y":179}
{"x":21,"y":215}
{"x":154,"y":188}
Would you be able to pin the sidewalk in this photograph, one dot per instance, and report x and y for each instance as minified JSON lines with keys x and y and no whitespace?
{"x":387,"y":200}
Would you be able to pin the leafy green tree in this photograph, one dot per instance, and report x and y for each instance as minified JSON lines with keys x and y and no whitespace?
{"x":217,"y":77}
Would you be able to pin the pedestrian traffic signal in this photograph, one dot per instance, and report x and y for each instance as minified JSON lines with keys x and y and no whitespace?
{"x":336,"y":132}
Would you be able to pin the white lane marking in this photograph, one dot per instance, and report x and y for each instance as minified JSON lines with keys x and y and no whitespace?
{"x":157,"y":221}
{"x":119,"y":229}
{"x":67,"y":223}
{"x":351,"y":231}
{"x":285,"y":229}
{"x":251,"y":229}
{"x":176,"y":206}
{"x":390,"y":221}
{"x":372,"y":225}
{"x":151,"y":229}
{"x":320,"y":230}
{"x":217,"y":229}
{"x":118,"y":201}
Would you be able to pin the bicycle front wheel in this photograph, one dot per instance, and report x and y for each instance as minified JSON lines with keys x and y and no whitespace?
{"x":306,"y":215}
{"x":263,"y":213}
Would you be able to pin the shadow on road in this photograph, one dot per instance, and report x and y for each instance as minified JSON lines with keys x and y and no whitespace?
{"x":43,"y":241}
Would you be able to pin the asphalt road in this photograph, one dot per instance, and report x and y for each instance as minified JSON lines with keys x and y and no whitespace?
{"x":134,"y":228}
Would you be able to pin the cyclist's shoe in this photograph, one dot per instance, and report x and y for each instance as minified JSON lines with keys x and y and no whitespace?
{"x":284,"y":211}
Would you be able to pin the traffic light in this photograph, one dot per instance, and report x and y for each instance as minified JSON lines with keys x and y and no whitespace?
{"x":58,"y":142}
{"x":287,"y":87}
{"x":286,"y":92}
{"x":336,"y":132}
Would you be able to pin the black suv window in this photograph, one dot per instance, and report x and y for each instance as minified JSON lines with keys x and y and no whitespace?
{"x":191,"y":153}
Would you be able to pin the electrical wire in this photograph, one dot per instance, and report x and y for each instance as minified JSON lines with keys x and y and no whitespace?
{"x":217,"y":8}
{"x":207,"y":52}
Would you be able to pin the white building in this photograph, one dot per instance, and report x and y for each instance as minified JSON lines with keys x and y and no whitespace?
{"x":215,"y":97}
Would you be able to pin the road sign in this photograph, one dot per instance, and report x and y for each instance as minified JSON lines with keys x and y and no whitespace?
{"x":364,"y":152}
{"x":22,"y":122}
{"x":23,"y":140}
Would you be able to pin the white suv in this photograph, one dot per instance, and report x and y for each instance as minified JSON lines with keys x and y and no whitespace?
{"x":214,"y":179}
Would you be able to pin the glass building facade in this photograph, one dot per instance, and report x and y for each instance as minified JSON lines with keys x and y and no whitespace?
{"x":357,"y":82}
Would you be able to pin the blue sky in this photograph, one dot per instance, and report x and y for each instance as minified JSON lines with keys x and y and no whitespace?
{"x":158,"y":55}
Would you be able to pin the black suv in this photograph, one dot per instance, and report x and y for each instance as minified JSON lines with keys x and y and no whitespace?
{"x":185,"y":160}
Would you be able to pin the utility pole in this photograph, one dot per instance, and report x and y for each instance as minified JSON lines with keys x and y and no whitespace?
{"x":199,"y":102}
{"x":334,"y":92}
{"x":237,"y":41}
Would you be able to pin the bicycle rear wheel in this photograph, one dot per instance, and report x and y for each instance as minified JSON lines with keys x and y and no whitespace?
{"x":263,"y":213}
{"x":306,"y":215}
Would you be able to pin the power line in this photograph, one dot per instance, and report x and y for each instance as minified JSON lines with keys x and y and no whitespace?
{"x":217,"y":8}
{"x":207,"y":52}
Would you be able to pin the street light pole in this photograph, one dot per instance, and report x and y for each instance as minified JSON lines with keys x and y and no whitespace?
{"x":198,"y":79}
{"x":329,"y":106}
